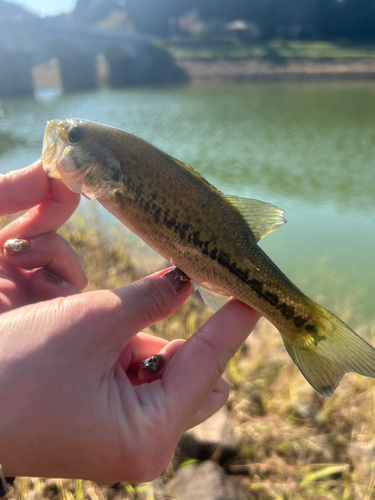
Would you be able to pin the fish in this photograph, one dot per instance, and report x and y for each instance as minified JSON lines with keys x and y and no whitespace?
{"x":211,"y":236}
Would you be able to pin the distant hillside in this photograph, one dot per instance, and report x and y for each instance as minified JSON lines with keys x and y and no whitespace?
{"x":15,"y":12}
{"x":104,"y":15}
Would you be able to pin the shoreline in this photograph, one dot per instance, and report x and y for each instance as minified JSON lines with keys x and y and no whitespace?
{"x":291,"y":70}
{"x":224,"y":71}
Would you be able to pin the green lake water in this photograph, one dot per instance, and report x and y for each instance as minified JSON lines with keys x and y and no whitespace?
{"x":309,"y":149}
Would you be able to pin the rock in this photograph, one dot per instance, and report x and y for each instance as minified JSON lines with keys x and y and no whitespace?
{"x":213,"y":438}
{"x":204,"y":482}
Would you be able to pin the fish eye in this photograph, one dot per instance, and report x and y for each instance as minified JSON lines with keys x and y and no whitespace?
{"x":75,"y":134}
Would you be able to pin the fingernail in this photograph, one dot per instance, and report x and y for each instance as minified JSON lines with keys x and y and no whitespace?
{"x":17,"y":246}
{"x":178,"y":279}
{"x":153,"y":364}
{"x":51,"y":278}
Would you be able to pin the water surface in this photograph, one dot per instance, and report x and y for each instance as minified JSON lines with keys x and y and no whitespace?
{"x":309,"y":149}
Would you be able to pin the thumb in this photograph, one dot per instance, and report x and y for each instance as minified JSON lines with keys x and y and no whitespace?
{"x":81,"y":326}
{"x":112,"y":317}
{"x":153,"y":299}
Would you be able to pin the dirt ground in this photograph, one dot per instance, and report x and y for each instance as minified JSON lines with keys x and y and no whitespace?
{"x":250,"y":70}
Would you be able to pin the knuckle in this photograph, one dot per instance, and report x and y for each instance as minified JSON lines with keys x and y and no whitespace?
{"x":48,"y":238}
{"x":219,"y":356}
{"x":155,"y":299}
{"x":204,"y":335}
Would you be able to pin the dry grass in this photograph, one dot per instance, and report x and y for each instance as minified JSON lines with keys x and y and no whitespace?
{"x":295,"y":444}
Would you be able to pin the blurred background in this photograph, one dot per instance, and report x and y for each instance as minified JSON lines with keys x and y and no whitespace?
{"x":269,"y":99}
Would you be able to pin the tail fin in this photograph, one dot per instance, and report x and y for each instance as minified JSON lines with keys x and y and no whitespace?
{"x":336,"y":350}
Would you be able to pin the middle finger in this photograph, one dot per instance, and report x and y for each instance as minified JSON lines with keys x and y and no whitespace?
{"x":48,"y":216}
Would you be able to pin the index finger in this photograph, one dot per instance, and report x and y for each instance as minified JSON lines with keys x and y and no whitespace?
{"x":195,"y":369}
{"x":51,"y":201}
{"x":23,"y":189}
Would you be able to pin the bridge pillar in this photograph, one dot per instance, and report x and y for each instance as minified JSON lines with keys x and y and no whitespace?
{"x":78,"y":72}
{"x":147,"y":65}
{"x":123,"y":69}
{"x":15,"y":74}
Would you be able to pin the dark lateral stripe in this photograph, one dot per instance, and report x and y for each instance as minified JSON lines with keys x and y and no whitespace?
{"x":194,"y":237}
{"x":286,"y":310}
{"x":156,"y":212}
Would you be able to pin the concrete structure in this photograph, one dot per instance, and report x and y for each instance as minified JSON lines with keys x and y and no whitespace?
{"x":25,"y":43}
{"x":15,"y":73}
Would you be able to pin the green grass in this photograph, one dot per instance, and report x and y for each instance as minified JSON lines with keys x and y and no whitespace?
{"x":276,"y":49}
{"x":295,"y":444}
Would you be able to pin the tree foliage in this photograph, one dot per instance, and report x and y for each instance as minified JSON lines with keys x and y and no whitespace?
{"x":313,"y":19}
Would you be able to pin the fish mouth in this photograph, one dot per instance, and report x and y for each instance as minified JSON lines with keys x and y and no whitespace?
{"x":52,"y":148}
{"x":56,"y":163}
{"x":66,"y":161}
{"x":56,"y":160}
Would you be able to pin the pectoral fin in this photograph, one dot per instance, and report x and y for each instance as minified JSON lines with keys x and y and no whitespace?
{"x":214,"y":300}
{"x":262,"y":218}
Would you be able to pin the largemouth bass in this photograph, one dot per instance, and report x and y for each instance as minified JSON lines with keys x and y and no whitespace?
{"x":210,"y":236}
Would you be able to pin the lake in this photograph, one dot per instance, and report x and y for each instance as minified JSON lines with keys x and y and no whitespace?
{"x":309,"y":149}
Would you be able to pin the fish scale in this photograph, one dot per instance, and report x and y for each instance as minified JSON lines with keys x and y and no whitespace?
{"x":210,"y":236}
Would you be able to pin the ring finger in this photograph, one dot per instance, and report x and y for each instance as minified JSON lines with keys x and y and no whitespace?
{"x":49,"y":251}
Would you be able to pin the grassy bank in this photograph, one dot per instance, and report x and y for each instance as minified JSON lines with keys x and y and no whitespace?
{"x":295,"y":444}
{"x":275,"y":49}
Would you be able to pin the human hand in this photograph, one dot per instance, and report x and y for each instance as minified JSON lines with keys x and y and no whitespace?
{"x":76,"y":404}
{"x":74,"y":399}
{"x":51,"y":203}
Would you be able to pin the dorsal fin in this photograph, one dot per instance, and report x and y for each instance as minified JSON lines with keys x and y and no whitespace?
{"x":196,"y":174}
{"x":262,"y":218}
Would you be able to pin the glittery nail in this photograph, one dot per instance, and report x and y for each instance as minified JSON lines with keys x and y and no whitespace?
{"x":17,"y":246}
{"x":51,"y":278}
{"x":153,"y":364}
